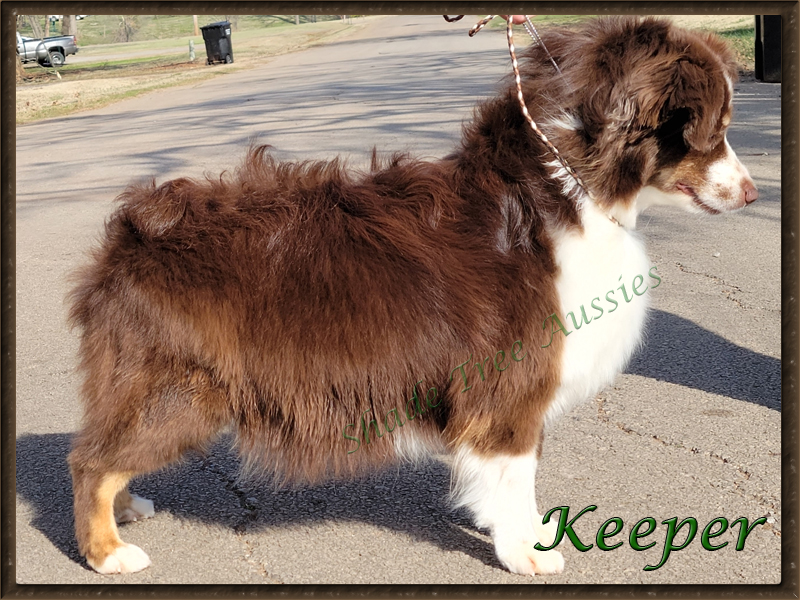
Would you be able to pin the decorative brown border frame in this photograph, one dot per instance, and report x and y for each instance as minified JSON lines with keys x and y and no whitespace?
{"x":790,"y":292}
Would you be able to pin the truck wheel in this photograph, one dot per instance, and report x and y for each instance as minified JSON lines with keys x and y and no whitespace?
{"x":228,"y":58}
{"x":56,"y":59}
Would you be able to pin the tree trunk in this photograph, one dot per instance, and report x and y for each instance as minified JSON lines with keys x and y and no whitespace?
{"x":47,"y":26}
{"x":128,"y":27}
{"x":196,"y":28}
{"x":69,"y":25}
{"x":37,"y":28}
{"x":20,"y":69}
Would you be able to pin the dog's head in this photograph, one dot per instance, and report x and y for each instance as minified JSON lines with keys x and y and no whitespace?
{"x":650,"y":106}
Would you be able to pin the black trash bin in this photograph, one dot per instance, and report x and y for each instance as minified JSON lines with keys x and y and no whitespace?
{"x":217,"y":37}
{"x":768,"y":48}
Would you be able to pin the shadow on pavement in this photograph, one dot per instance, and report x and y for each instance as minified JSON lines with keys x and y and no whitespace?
{"x":678,"y":351}
{"x":409,"y":499}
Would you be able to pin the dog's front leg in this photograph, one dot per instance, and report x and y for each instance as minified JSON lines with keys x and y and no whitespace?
{"x":499,"y":490}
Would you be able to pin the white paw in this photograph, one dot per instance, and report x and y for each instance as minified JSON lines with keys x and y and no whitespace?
{"x":522,"y":558}
{"x":546,"y":532}
{"x":125,"y":559}
{"x":140,"y":508}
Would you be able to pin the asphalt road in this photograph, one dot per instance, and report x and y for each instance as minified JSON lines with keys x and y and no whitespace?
{"x":691,"y":430}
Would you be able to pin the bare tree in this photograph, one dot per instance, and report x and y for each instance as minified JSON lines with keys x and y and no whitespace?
{"x":129,"y":25}
{"x":69,"y":25}
{"x":47,"y":26}
{"x":35,"y":26}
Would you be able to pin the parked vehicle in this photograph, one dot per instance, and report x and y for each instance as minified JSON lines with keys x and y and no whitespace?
{"x":49,"y":51}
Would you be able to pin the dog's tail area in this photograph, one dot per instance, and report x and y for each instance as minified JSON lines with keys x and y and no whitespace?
{"x":153,"y":211}
{"x":156,"y":211}
{"x":146,"y":212}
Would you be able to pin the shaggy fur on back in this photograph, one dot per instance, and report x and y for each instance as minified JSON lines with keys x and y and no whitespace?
{"x":290,"y":298}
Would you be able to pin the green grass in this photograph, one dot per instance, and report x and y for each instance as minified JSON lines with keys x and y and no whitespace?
{"x":107,"y":29}
{"x":743,"y":41}
{"x":121,"y":67}
{"x":158,"y":44}
{"x":175,"y":51}
{"x":106,"y":67}
{"x":239,"y":37}
{"x":564,"y":20}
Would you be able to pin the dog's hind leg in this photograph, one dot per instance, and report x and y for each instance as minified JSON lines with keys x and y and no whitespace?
{"x":130,"y":433}
{"x":95,"y":527}
{"x":130,"y":507}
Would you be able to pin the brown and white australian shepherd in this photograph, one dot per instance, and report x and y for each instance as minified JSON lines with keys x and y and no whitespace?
{"x":290,"y":299}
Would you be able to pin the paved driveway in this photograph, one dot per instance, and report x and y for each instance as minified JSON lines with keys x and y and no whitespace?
{"x":691,"y":430}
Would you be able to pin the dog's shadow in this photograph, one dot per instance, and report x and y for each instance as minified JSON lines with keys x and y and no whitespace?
{"x":408,"y":499}
{"x":679,"y":351}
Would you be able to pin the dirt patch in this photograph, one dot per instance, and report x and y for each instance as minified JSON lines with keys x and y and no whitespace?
{"x":714,"y":22}
{"x":36,"y":102}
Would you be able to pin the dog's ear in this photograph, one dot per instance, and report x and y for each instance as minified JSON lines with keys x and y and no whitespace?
{"x":686,"y":89}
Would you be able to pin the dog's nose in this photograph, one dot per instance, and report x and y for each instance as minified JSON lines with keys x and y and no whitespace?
{"x":750,"y":192}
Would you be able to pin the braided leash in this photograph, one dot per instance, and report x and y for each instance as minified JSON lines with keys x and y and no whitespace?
{"x":515,"y":65}
{"x":539,"y":132}
{"x":535,"y":35}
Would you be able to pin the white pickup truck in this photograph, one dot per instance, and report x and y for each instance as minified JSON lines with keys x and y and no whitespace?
{"x":49,"y":51}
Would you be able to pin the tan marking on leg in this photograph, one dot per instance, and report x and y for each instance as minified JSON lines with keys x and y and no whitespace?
{"x":103,"y":535}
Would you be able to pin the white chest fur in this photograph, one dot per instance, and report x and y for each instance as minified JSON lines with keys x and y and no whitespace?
{"x":601,"y":265}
